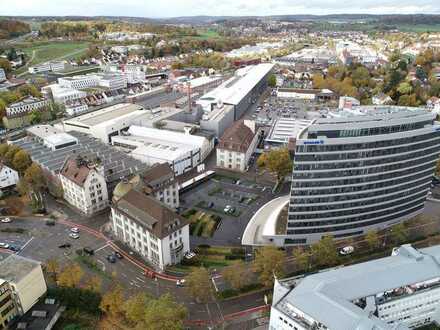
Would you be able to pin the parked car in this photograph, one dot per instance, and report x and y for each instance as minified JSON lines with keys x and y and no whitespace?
{"x":74,"y":230}
{"x":50,"y":222}
{"x":210,"y":205}
{"x":111,"y":258}
{"x":4,"y":245}
{"x":6,"y":220}
{"x":346,"y":250}
{"x":65,"y":246}
{"x":14,"y":248}
{"x":180,"y":283}
{"x":227,"y":208}
{"x":118,"y":255}
{"x":89,"y":251}
{"x":74,"y":235}
{"x":190,"y":255}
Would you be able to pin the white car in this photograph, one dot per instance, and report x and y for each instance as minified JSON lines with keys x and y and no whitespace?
{"x":74,"y":230}
{"x":180,"y":282}
{"x":6,"y":220}
{"x":4,"y":245}
{"x":74,"y":235}
{"x":346,"y":250}
{"x":227,"y":209}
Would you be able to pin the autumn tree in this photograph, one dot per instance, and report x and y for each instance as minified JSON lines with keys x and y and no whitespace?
{"x":372,"y":239}
{"x":34,"y":177}
{"x":268,"y":263}
{"x":93,"y":283}
{"x":70,"y":276}
{"x":276,"y":161}
{"x":5,"y":65}
{"x":302,"y":258}
{"x":134,"y":307}
{"x":324,"y":252}
{"x":4,"y":147}
{"x":10,"y":154}
{"x":272,"y":80}
{"x":21,"y":161}
{"x":112,"y":302}
{"x":399,"y":233}
{"x":237,"y":275}
{"x":164,"y":314}
{"x":199,"y":285}
{"x":53,"y":268}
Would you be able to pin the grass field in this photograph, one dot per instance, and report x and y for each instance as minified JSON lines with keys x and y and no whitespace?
{"x":208,"y":34}
{"x":419,"y":28}
{"x":53,"y":51}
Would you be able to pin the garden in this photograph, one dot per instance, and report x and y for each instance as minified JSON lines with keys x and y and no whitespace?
{"x":201,"y":223}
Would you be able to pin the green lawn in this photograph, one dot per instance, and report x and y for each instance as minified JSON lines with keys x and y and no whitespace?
{"x":55,"y":50}
{"x":419,"y":28}
{"x":208,"y":34}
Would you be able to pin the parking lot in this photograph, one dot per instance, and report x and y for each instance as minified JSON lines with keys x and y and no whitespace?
{"x":234,"y":203}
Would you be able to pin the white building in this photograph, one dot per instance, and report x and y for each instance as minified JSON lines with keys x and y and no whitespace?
{"x":112,"y":81}
{"x":348,"y":102}
{"x":84,"y":185}
{"x":25,"y":106}
{"x":47,"y":67}
{"x":305,"y":94}
{"x":79,"y":82}
{"x":26,"y":279}
{"x":62,"y":94}
{"x":112,"y":120}
{"x":218,"y":120}
{"x":399,"y":292}
{"x":8,"y":177}
{"x":150,"y":228}
{"x":182,"y":151}
{"x":51,"y":137}
{"x":76,"y":108}
{"x":237,"y":145}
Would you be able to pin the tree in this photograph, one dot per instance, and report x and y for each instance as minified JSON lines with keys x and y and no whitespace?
{"x":134,"y":307}
{"x":34,"y":177}
{"x":269,"y":262}
{"x":404,"y":88}
{"x":276,"y":161}
{"x":93,"y":283}
{"x":199,"y":285}
{"x":53,"y":268}
{"x":399,"y":233}
{"x":272,"y":80}
{"x":164,"y":314}
{"x":10,"y":154}
{"x":372,"y":239}
{"x":21,"y":161}
{"x":5,"y":65}
{"x":302,"y":258}
{"x":35,"y":117}
{"x":23,"y":187}
{"x":112,"y":302}
{"x":4,"y":147}
{"x":70,"y":276}
{"x":237,"y":275}
{"x":325,"y":252}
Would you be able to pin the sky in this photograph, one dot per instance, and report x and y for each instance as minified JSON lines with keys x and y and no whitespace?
{"x":174,"y":8}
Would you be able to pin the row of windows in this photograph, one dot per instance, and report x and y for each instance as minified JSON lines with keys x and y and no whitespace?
{"x":349,"y":212}
{"x":426,"y":182}
{"x":367,"y":162}
{"x":329,"y":206}
{"x":341,"y":181}
{"x":370,"y":130}
{"x":344,"y":190}
{"x":364,"y":171}
{"x":354,"y":224}
{"x":313,"y":157}
{"x":366,"y":145}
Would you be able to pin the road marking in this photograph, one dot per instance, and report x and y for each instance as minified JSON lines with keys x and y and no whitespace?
{"x":139,"y":279}
{"x":102,"y":263}
{"x":124,"y":275}
{"x":25,"y":244}
{"x":102,"y":247}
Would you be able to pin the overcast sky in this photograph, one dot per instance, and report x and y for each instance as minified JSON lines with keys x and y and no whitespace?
{"x":173,"y":8}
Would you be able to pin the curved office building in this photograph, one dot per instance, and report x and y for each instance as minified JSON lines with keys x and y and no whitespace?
{"x":361,"y":169}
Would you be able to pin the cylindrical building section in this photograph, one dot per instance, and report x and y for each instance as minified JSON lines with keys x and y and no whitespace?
{"x":362,"y":169}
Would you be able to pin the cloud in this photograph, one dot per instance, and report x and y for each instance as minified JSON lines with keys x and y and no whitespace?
{"x":172,"y":8}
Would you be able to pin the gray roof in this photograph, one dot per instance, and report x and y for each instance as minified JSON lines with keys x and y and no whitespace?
{"x":14,"y":268}
{"x":117,"y":164}
{"x":327,"y":296}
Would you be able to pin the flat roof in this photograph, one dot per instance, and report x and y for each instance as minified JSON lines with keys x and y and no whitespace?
{"x":106,"y":114}
{"x":236,"y":88}
{"x":14,"y":268}
{"x":328,"y":296}
{"x":285,"y":128}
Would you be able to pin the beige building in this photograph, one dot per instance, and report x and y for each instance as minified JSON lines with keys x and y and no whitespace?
{"x":7,"y":306}
{"x":84,"y":185}
{"x":26,"y":281}
{"x":237,"y":145}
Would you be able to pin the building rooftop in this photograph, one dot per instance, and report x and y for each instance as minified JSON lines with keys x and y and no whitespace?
{"x":27,"y":100}
{"x":77,"y":170}
{"x":328,"y":296}
{"x":14,"y":268}
{"x":285,"y":128}
{"x":237,"y":138}
{"x":149,"y":212}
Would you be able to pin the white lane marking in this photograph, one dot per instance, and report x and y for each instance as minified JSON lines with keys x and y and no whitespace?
{"x":124,"y":275}
{"x":139,"y":279}
{"x":102,"y":247}
{"x":25,"y":244}
{"x":102,"y":263}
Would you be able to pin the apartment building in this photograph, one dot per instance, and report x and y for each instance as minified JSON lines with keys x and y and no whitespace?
{"x":25,"y":106}
{"x":361,"y":169}
{"x":84,"y":185}
{"x":8,"y":310}
{"x":8,"y":177}
{"x":79,"y":82}
{"x":26,"y":282}
{"x":47,"y":67}
{"x":237,"y":145}
{"x":150,"y":228}
{"x":399,"y":292}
